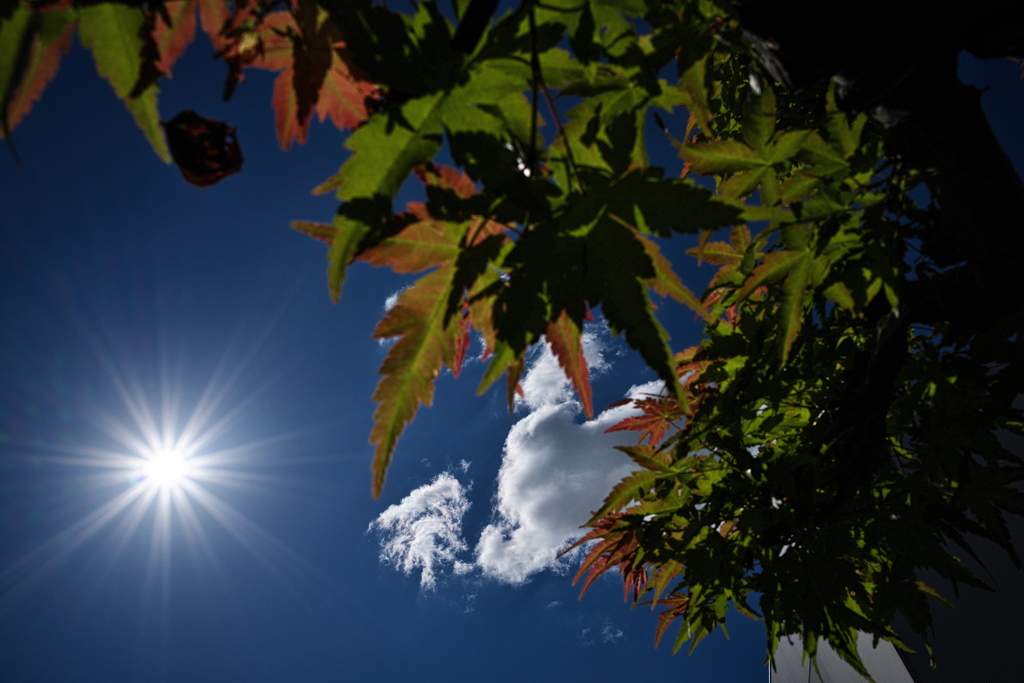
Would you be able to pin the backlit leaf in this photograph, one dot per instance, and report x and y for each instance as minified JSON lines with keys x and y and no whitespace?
{"x":425,"y":343}
{"x":111,"y":32}
{"x":564,"y":337}
{"x":172,"y":38}
{"x":31,"y":45}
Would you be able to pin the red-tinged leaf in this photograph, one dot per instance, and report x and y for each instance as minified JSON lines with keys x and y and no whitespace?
{"x":645,"y":456}
{"x":693,"y":82}
{"x":45,"y":37}
{"x":716,"y":253}
{"x":677,"y":607}
{"x":343,"y":94}
{"x":214,"y":17}
{"x":663,"y":575}
{"x":659,"y":414}
{"x":629,"y":489}
{"x":248,"y":38}
{"x":426,"y":342}
{"x":773,"y":267}
{"x":739,"y":237}
{"x":446,"y":178}
{"x":514,"y":388}
{"x":721,"y":156}
{"x":702,"y":240}
{"x":743,"y":183}
{"x":503,"y":359}
{"x":324,"y":232}
{"x":481,"y":305}
{"x":690,"y":372}
{"x":614,"y":551}
{"x":315,"y":77}
{"x":564,"y":338}
{"x":420,"y":245}
{"x":172,"y":39}
{"x":665,"y":281}
{"x":462,"y":343}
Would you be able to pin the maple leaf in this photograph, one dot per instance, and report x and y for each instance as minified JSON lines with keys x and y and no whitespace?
{"x":173,"y":29}
{"x":31,"y":45}
{"x":678,"y":605}
{"x":325,"y":232}
{"x":426,"y":342}
{"x":429,"y":334}
{"x":318,"y":78}
{"x":667,"y":283}
{"x":616,"y":547}
{"x":307,"y":50}
{"x":563,"y":337}
{"x":424,"y":243}
{"x":113,"y":33}
{"x":215,"y":19}
{"x":659,"y":413}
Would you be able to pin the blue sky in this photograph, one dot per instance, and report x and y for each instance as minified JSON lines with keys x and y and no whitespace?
{"x":133,"y":303}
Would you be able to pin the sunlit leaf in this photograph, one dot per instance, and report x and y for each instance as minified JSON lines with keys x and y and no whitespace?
{"x":564,"y":337}
{"x":112,"y":32}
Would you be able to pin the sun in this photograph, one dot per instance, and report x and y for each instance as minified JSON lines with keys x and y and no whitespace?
{"x":166,"y":468}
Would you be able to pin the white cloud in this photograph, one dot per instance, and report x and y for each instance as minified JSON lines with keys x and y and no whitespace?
{"x":390,"y":303}
{"x":555,"y":473}
{"x":392,"y":300}
{"x":424,"y":530}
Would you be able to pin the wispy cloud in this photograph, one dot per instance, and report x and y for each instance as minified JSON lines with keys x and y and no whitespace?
{"x":555,"y":472}
{"x":392,"y":299}
{"x":607,"y":634}
{"x":610,"y":634}
{"x":424,"y":531}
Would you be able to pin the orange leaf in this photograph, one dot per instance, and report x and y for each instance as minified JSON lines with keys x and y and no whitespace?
{"x":564,"y":338}
{"x":426,"y":342}
{"x":38,"y":65}
{"x":172,"y":38}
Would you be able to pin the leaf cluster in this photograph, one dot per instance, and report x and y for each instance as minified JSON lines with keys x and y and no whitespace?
{"x":829,"y":437}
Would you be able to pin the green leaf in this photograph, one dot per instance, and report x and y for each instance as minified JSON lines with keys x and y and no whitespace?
{"x":633,"y":487}
{"x":325,"y":232}
{"x":31,"y":45}
{"x":785,"y":146}
{"x":759,"y":119}
{"x":617,"y":271}
{"x":354,"y":224}
{"x":693,"y":81}
{"x":387,"y":147}
{"x":426,"y":341}
{"x":721,"y":156}
{"x":112,"y":32}
{"x":663,"y":206}
{"x":423,"y":244}
{"x":666,"y":283}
